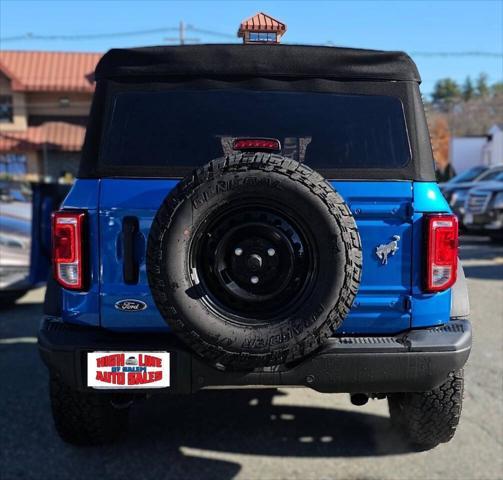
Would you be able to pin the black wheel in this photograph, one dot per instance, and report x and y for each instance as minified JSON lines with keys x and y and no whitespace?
{"x":7,"y":299}
{"x":427,"y":419}
{"x":87,"y":418}
{"x":254,"y":260}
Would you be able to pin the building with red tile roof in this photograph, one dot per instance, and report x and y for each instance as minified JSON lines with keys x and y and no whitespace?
{"x":45,"y":99}
{"x":60,"y":136}
{"x":261,"y":28}
{"x":49,"y":71}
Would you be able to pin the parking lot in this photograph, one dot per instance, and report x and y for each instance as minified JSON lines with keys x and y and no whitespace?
{"x":291,"y":433}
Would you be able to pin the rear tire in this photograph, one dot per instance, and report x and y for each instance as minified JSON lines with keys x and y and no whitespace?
{"x":429,"y":418}
{"x":86,"y":418}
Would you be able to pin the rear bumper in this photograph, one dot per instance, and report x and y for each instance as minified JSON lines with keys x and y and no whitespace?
{"x":416,"y":360}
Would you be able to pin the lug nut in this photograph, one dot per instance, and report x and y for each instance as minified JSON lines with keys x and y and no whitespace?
{"x":271,"y":252}
{"x":238,"y":251}
{"x":254,"y":280}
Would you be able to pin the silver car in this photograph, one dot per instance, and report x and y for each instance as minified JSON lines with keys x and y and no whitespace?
{"x":484,"y":208}
{"x":456,"y":190}
{"x":15,"y":241}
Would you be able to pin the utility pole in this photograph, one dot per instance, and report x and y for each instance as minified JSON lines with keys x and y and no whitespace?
{"x":181,"y":33}
{"x":182,"y":39}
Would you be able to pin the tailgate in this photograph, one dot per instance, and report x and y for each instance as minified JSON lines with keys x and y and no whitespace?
{"x":382,"y":210}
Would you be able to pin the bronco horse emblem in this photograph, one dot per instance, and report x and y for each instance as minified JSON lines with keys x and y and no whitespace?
{"x":383,"y":250}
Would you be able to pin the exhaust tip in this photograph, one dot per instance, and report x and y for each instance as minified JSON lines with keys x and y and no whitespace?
{"x":359,"y":399}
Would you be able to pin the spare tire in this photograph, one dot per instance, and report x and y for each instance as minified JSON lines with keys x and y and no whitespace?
{"x":254,"y":260}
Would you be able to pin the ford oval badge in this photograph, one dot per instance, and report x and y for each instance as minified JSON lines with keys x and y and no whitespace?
{"x":130,"y":305}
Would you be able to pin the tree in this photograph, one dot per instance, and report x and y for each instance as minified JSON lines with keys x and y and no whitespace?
{"x":497,"y":88}
{"x":446,"y":91}
{"x":469,"y":113}
{"x":440,"y":139}
{"x":468,"y":89}
{"x":482,"y":86}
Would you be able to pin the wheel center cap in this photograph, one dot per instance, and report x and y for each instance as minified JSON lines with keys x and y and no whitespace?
{"x":254,"y":262}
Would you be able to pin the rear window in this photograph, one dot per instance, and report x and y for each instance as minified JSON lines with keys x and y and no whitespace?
{"x":327,"y":131}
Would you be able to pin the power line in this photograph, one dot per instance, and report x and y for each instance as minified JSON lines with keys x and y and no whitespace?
{"x":87,"y":36}
{"x":211,"y":32}
{"x":473,"y":53}
{"x":458,"y":54}
{"x":131,"y":33}
{"x":182,"y":39}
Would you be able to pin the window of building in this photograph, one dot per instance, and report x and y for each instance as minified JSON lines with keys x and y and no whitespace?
{"x":64,"y":102}
{"x":262,"y":37}
{"x":5,"y":108}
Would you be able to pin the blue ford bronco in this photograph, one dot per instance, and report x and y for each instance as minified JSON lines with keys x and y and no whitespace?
{"x":250,"y":216}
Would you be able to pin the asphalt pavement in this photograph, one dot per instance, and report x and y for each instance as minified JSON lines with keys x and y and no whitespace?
{"x":265,"y":434}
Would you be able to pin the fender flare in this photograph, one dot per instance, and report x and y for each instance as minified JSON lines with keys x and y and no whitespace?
{"x":53,"y":300}
{"x":460,"y":303}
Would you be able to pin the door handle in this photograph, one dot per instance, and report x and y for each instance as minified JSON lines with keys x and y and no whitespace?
{"x":130,"y":267}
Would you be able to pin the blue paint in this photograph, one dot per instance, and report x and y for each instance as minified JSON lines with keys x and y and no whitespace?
{"x":389,"y":300}
{"x":83,"y":195}
{"x":42,"y":206}
{"x":46,"y":198}
{"x":84,"y":307}
{"x":429,"y":198}
{"x":428,"y":309}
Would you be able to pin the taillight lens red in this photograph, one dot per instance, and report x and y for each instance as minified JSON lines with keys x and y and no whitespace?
{"x":441,"y":251}
{"x":67,"y":248}
{"x":256,"y":144}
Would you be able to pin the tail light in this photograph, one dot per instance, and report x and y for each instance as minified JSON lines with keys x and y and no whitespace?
{"x":441,"y":251}
{"x":258,"y":144}
{"x":67,"y":248}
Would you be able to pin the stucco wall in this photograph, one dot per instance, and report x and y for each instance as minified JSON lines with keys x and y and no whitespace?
{"x":49,"y":103}
{"x":19,"y":121}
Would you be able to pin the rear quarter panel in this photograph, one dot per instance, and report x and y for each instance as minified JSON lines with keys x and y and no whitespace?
{"x":84,"y":307}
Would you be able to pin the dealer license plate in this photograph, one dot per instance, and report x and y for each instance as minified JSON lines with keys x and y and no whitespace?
{"x":121,"y":370}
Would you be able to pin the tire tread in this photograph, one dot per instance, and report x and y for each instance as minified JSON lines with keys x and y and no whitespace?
{"x":429,"y":418}
{"x":267,"y":163}
{"x":85,"y":418}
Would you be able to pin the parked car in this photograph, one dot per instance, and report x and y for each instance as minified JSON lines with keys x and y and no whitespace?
{"x":307,"y":243}
{"x":15,"y":242}
{"x":456,"y":192}
{"x":484,"y":208}
{"x":24,"y":263}
{"x":467,"y":176}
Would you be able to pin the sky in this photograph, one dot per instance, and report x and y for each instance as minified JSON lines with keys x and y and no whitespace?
{"x":421,"y":28}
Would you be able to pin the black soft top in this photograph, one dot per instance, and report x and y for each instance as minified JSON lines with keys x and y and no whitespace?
{"x":283,"y":68}
{"x":257,"y":60}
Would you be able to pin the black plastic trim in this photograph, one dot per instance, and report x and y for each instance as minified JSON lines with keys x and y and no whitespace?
{"x":130,"y":268}
{"x":460,"y":303}
{"x":53,"y":299}
{"x":416,"y":360}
